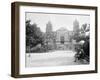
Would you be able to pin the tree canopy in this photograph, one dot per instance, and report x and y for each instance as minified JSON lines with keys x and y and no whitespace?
{"x":34,"y":35}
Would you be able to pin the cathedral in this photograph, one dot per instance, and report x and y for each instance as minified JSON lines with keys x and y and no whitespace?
{"x":60,"y":39}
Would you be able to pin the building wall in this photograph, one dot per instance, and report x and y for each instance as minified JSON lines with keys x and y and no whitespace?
{"x":63,"y":33}
{"x":55,"y":40}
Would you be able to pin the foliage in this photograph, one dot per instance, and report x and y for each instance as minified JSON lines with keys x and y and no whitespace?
{"x":85,"y":28}
{"x":82,"y":32}
{"x":34,"y":36}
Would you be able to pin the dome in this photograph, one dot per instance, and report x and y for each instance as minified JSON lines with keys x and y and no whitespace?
{"x":62,"y":29}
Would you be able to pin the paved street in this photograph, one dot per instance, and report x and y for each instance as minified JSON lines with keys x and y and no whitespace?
{"x":54,"y":58}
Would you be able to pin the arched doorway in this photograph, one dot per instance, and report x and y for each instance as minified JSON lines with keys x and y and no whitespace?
{"x":62,"y":40}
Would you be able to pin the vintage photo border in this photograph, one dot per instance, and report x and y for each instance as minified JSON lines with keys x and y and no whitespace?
{"x":15,"y":69}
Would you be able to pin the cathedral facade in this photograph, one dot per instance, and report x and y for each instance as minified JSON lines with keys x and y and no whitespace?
{"x":60,"y":39}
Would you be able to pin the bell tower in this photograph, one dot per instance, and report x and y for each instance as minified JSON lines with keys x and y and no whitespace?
{"x":76,"y":26}
{"x":48,"y":27}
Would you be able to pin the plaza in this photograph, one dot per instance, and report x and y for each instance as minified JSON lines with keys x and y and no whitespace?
{"x":52,"y":58}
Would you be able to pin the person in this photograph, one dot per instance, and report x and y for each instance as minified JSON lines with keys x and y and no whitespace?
{"x":79,"y":54}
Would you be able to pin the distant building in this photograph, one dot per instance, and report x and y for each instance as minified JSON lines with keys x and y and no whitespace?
{"x":76,"y":27}
{"x":63,"y":38}
{"x":48,"y":27}
{"x":59,"y":39}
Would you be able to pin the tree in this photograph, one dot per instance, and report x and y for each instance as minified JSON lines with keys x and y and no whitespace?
{"x":34,"y":36}
{"x":85,"y":28}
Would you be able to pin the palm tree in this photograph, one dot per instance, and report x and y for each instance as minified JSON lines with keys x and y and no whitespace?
{"x":84,"y":29}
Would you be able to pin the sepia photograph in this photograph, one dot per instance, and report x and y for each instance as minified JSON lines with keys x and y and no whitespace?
{"x":55,"y":39}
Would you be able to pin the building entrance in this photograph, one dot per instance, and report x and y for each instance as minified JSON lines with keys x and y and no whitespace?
{"x":62,"y":40}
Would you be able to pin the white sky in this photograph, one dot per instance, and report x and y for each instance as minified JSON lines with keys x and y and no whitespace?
{"x":57,"y":20}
